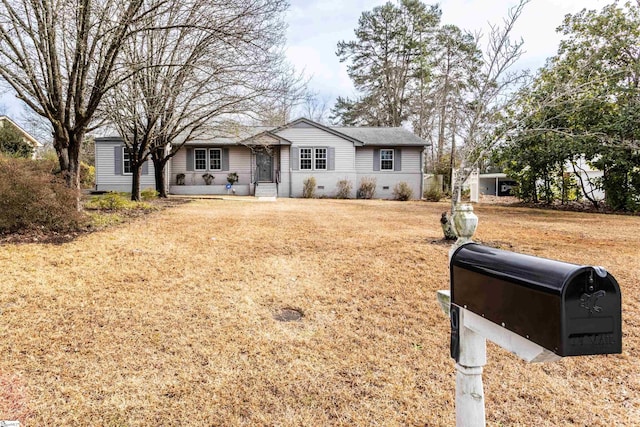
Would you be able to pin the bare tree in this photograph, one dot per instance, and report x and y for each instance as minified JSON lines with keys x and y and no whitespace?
{"x":290,"y":92}
{"x":316,"y":108}
{"x":490,"y":97}
{"x":60,"y":57}
{"x":194,"y":67}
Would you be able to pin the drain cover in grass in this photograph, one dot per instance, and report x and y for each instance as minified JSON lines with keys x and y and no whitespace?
{"x":288,"y":315}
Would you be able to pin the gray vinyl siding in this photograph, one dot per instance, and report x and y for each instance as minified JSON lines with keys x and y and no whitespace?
{"x":285,"y":158}
{"x":411,"y":170}
{"x":106,"y":177}
{"x":343,"y":161}
{"x":239,"y":161}
{"x":312,"y":137}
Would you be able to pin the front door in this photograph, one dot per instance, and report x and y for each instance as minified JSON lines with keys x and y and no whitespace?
{"x":264,"y":162}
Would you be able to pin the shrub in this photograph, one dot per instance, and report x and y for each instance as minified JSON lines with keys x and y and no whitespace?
{"x":31,"y":197}
{"x":367,"y":188}
{"x":109,"y":201}
{"x":148,"y":194}
{"x":309,"y":188}
{"x":12,"y":143}
{"x":433,"y":195}
{"x":87,"y":175}
{"x":344,"y":189}
{"x":113,"y":201}
{"x":402,"y":191}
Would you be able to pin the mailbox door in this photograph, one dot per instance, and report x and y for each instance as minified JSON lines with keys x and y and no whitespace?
{"x":592,"y":315}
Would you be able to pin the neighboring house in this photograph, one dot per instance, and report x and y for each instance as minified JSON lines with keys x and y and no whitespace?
{"x":495,"y":184}
{"x":276,"y":161}
{"x":26,"y":136}
{"x":500,"y":184}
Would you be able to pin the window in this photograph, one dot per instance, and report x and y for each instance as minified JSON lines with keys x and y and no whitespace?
{"x":315,"y":158}
{"x":126,"y":161}
{"x":305,"y":158}
{"x":215,"y":159}
{"x":321,"y":158}
{"x":200,"y":156}
{"x":386,"y":160}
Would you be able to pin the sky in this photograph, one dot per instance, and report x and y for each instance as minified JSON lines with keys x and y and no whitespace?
{"x":316,"y":26}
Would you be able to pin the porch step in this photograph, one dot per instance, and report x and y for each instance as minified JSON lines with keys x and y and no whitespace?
{"x":266,"y":189}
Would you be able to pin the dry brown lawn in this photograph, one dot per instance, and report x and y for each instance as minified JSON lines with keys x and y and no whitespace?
{"x":169,"y":320}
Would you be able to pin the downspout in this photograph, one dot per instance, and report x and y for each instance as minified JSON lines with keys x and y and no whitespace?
{"x":251,"y":174}
{"x":290,"y":174}
{"x":278,"y":167}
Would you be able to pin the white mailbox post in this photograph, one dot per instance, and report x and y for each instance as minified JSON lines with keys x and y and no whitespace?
{"x":539,"y":309}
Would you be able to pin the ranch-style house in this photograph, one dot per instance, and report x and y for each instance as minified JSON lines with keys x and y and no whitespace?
{"x":274,"y":162}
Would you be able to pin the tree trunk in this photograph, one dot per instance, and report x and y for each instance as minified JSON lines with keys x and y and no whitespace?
{"x":136,"y":174}
{"x":452,"y":160}
{"x":68,"y":151}
{"x":161,"y":187}
{"x":587,"y":194}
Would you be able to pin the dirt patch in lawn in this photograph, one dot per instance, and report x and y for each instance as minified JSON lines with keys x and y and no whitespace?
{"x":169,"y":319}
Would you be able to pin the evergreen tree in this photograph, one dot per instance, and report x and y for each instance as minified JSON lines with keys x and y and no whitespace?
{"x":12,"y":141}
{"x":383,"y":63}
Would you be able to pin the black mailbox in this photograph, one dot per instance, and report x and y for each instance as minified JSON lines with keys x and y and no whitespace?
{"x":568,"y":309}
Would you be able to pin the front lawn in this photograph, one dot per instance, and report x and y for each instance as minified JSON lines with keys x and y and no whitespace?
{"x":172,"y":319}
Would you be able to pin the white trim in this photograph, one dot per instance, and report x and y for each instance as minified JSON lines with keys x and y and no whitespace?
{"x":316,"y":158}
{"x":310,"y":158}
{"x":313,"y":158}
{"x":209,"y":159}
{"x":195,"y":159}
{"x":128,"y":154}
{"x":393,"y":159}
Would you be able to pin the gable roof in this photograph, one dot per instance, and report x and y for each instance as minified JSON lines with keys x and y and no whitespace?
{"x":264,"y":135}
{"x":26,"y":135}
{"x":306,"y":123}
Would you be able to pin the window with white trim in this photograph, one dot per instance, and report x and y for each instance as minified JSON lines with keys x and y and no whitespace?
{"x":126,"y":161}
{"x":200,"y":159}
{"x":215,"y":159}
{"x":306,"y":158}
{"x":321,"y":158}
{"x":386,"y":160}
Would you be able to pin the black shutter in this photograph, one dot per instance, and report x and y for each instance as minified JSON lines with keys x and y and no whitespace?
{"x":376,"y":159}
{"x":145,"y":167}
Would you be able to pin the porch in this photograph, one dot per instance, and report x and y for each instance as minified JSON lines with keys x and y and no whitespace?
{"x":256,"y":166}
